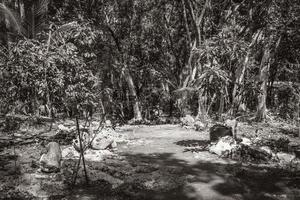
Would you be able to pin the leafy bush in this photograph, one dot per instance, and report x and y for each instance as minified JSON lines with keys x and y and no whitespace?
{"x":51,"y":71}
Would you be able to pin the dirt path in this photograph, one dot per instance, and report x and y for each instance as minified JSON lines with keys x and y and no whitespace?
{"x":207,"y":176}
{"x":167,"y":139}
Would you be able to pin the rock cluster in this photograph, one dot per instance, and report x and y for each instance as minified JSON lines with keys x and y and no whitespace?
{"x":247,"y":150}
{"x":190,"y":122}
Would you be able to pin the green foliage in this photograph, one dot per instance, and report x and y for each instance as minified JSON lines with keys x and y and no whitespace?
{"x":131,"y":55}
{"x":54,"y":73}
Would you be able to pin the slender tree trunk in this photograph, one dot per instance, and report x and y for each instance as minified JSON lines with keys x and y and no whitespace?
{"x":21,"y":9}
{"x":221,"y":105}
{"x":239,"y":77}
{"x":263,"y":78}
{"x":3,"y":32}
{"x":135,"y":101}
{"x":298,"y":115}
{"x":236,"y":94}
{"x":198,"y":21}
{"x":186,"y":23}
{"x":202,"y":114}
{"x":30,"y":18}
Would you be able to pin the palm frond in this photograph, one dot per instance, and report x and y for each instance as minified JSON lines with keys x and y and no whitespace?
{"x":185,"y":90}
{"x":42,"y":7}
{"x":66,"y":27}
{"x":11,"y":17}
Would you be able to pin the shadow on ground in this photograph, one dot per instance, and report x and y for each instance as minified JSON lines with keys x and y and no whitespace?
{"x":194,"y":145}
{"x":206,"y":180}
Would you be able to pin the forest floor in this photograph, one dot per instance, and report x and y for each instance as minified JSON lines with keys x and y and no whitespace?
{"x":157,"y":163}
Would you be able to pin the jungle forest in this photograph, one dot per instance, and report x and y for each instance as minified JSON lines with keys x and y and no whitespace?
{"x":154,"y":100}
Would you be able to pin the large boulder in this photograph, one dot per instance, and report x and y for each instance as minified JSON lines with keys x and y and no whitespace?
{"x":218,"y":131}
{"x":50,"y":161}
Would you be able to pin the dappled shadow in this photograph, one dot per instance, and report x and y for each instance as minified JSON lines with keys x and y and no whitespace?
{"x":6,"y":159}
{"x":221,"y":180}
{"x":290,"y":132}
{"x":194,"y":145}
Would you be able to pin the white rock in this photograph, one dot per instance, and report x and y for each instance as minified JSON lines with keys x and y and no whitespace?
{"x":114,"y":144}
{"x":97,"y":155}
{"x":267,"y":149}
{"x":63,"y":128}
{"x":69,"y":153}
{"x":230,"y":122}
{"x":226,"y":143}
{"x":246,"y":141}
{"x":199,"y":125}
{"x":89,"y":154}
{"x":285,"y":157}
{"x":187,"y":120}
{"x":102,"y":143}
{"x":108,"y":123}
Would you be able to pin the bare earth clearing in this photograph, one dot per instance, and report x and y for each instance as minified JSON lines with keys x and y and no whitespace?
{"x":155,"y":164}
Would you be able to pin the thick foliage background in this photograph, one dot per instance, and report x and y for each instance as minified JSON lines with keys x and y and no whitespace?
{"x":146,"y":59}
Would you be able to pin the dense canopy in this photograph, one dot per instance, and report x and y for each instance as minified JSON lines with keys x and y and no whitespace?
{"x":142,"y":59}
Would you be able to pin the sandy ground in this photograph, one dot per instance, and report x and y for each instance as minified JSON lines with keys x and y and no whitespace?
{"x":208,"y":176}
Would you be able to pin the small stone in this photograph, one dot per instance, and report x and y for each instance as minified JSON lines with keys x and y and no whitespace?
{"x":108,"y":123}
{"x":70,"y":153}
{"x":267,"y":150}
{"x":114,"y":144}
{"x":246,"y":141}
{"x":63,"y":128}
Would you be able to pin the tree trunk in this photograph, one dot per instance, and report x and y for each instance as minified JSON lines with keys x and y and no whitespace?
{"x":3,"y":32}
{"x":236,"y":94}
{"x":263,"y":78}
{"x":135,"y":101}
{"x":30,"y":18}
{"x":239,"y":77}
{"x":4,"y":37}
{"x":202,"y":112}
{"x":221,"y":105}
